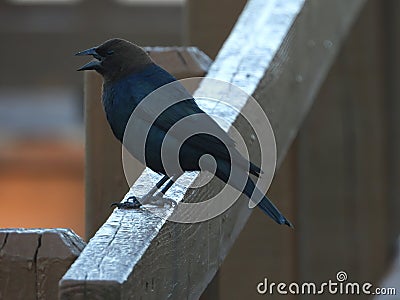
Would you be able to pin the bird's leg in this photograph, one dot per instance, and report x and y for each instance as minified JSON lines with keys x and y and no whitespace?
{"x":158,"y":198}
{"x":162,"y":181}
{"x":149,"y":194}
{"x":132,"y":202}
{"x":170,"y":183}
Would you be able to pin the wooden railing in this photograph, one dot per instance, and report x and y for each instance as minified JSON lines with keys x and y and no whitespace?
{"x":332,"y":179}
{"x":135,"y":254}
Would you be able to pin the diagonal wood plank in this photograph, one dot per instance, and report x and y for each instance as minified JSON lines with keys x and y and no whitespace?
{"x":278,"y":52}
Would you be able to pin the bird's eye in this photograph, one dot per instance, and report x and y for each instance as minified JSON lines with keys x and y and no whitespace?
{"x":109,"y":52}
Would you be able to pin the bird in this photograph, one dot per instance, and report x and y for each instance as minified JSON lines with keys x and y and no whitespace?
{"x":129,"y":76}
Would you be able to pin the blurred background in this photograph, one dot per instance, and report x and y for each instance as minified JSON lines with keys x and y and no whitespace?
{"x":343,"y":177}
{"x":41,"y":94}
{"x":41,"y":97}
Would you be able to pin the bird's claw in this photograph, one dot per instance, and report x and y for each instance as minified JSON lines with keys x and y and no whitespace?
{"x":159,"y":200}
{"x":171,"y":202}
{"x":134,"y":204}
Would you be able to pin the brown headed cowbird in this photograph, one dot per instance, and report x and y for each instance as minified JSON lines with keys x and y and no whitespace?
{"x":129,"y":76}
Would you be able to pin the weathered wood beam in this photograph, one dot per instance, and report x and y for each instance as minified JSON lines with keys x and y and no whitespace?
{"x":280,"y":52}
{"x":32,"y":261}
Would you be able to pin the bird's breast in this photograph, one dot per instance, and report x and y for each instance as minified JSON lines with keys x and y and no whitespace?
{"x":117,"y":109}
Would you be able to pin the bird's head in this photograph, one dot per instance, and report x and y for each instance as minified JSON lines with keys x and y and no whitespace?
{"x":115,"y":58}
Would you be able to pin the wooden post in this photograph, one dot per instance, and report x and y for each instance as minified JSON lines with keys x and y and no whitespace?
{"x":342,"y":217}
{"x":392,"y":64}
{"x":105,"y":180}
{"x":104,"y":177}
{"x":32,"y":261}
{"x":392,"y":68}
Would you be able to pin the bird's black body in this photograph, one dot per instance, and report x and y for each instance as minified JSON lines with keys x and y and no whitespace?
{"x":129,"y":77}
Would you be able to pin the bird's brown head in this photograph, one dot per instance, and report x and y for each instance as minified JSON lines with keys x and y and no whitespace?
{"x":116,"y":58}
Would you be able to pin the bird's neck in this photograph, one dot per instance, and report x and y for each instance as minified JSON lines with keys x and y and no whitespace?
{"x":124,"y":71}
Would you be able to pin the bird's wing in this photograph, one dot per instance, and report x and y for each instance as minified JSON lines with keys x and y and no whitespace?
{"x":175,"y":104}
{"x":172,"y":103}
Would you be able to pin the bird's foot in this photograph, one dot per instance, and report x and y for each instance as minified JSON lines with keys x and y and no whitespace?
{"x":159,"y":200}
{"x":170,"y":202}
{"x":130,"y":203}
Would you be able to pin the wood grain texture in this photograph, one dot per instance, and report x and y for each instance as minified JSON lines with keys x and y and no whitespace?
{"x":392,"y":61}
{"x":105,"y":179}
{"x":141,"y":256}
{"x":392,"y":64}
{"x":32,"y":261}
{"x":342,"y":166}
{"x":391,"y":42}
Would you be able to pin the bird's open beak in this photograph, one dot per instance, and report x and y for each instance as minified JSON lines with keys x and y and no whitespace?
{"x":92,"y":65}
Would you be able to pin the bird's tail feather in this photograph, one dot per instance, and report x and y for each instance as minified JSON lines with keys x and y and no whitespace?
{"x":251,"y":191}
{"x":270,"y":209}
{"x":265,"y":204}
{"x":255,"y":170}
